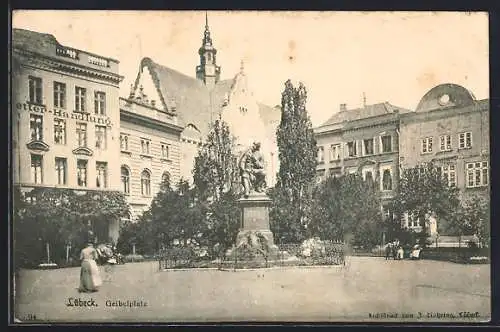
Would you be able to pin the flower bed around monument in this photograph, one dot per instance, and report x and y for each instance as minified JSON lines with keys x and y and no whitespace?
{"x":248,"y":255}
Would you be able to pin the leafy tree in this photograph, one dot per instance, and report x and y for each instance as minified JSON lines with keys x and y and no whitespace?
{"x":224,"y":220}
{"x":173,"y":216}
{"x":58,"y":217}
{"x":347,"y":207}
{"x":423,"y":191}
{"x":215,"y":170}
{"x":297,"y":155}
{"x":217,"y":187}
{"x":473,"y":218}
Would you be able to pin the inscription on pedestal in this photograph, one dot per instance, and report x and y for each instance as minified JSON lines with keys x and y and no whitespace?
{"x":255,"y":218}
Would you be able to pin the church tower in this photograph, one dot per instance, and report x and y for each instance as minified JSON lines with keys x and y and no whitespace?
{"x":207,"y":70}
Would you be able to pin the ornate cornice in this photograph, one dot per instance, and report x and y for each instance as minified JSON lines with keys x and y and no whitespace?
{"x":45,"y":62}
{"x":142,"y":120}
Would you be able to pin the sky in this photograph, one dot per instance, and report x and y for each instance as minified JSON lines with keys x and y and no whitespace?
{"x":339,"y":56}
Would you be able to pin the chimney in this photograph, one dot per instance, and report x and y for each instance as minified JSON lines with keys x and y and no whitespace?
{"x":343,"y":107}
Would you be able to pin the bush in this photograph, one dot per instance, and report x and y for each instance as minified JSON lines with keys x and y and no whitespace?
{"x":457,"y":255}
{"x":134,"y":258}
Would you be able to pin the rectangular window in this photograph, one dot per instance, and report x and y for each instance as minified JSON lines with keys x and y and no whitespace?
{"x":386,"y":143}
{"x":465,"y":140}
{"x":80,"y":97}
{"x":101,"y":174}
{"x":81,"y":172}
{"x":59,"y":131}
{"x":165,"y":151}
{"x":477,"y":174}
{"x":321,"y":154}
{"x":386,"y":179}
{"x":427,"y":145}
{"x":61,"y":170}
{"x":100,"y":137}
{"x":59,"y":95}
{"x":449,"y":174}
{"x":145,"y":145}
{"x":36,"y":168}
{"x":81,"y":134}
{"x":368,"y":146}
{"x":100,"y":103}
{"x":124,"y":142}
{"x":36,"y":127}
{"x":352,"y":150}
{"x":445,"y":142}
{"x":368,"y":176}
{"x":35,"y":90}
{"x":335,"y":152}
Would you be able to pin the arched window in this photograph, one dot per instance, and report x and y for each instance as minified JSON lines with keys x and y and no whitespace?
{"x":146,"y":183}
{"x":387,"y":180}
{"x":165,"y":178}
{"x":125,"y":173}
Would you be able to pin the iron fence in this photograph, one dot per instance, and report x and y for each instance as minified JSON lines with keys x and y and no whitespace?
{"x":290,"y":254}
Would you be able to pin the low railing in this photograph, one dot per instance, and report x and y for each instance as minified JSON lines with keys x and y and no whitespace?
{"x":173,"y":258}
{"x":67,"y":52}
{"x":327,"y":253}
{"x":98,"y":61}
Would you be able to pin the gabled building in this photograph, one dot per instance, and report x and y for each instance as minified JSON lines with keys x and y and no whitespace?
{"x":65,"y":119}
{"x":196,"y":102}
{"x":362,"y":140}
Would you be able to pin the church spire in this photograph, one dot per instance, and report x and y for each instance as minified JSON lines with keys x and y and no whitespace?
{"x":207,"y":40}
{"x":207,"y":71}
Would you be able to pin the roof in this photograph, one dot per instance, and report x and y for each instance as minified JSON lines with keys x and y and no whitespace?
{"x":195,"y":104}
{"x":41,"y":43}
{"x":364,"y":112}
{"x":33,"y":41}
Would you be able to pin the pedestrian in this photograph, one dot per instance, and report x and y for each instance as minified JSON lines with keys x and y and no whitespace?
{"x":90,"y":279}
{"x":388,"y":251}
{"x":401,"y":252}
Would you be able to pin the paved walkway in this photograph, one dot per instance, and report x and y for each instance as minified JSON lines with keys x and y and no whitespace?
{"x":366,"y":289}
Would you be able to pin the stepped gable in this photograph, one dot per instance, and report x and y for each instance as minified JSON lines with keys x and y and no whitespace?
{"x":195,"y":103}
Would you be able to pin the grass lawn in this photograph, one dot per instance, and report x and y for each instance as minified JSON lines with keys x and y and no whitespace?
{"x":366,"y":285}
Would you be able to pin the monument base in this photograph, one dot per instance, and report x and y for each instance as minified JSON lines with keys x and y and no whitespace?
{"x":255,"y":234}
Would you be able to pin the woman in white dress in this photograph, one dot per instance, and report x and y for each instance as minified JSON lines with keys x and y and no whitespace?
{"x":90,"y":278}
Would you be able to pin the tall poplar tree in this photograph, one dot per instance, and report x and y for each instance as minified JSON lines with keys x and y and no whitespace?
{"x":297,"y":154}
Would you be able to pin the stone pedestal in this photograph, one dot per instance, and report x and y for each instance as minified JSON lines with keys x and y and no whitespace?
{"x":255,"y":221}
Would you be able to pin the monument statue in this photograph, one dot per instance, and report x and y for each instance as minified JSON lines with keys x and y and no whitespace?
{"x":252,"y":172}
